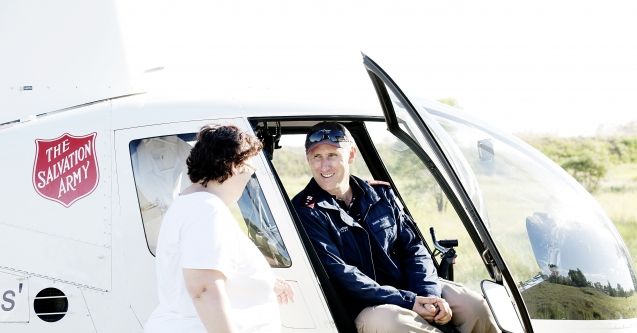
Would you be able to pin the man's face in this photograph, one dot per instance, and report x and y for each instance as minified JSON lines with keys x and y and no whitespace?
{"x":330,"y":167}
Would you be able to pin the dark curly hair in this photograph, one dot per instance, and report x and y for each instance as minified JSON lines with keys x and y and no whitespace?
{"x":217,"y":150}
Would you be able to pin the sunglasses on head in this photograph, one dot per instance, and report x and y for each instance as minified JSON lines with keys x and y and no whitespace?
{"x":335,"y":136}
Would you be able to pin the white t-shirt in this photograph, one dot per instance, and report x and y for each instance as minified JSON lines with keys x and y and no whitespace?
{"x":199,"y":232}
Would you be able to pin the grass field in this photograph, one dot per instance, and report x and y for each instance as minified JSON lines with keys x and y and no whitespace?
{"x":553,"y":301}
{"x":618,"y":196}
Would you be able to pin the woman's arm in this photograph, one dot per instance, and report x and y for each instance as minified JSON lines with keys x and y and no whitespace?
{"x":207,"y":288}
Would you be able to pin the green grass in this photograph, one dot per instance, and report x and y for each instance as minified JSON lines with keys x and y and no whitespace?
{"x":618,"y":197}
{"x":554,"y":301}
{"x":628,"y":231}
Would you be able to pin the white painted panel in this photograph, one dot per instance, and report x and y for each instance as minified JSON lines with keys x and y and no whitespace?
{"x":68,"y":52}
{"x":76,"y":319}
{"x":296,"y":314}
{"x":54,"y":257}
{"x":14,"y":298}
{"x":112,"y":312}
{"x":44,"y":237}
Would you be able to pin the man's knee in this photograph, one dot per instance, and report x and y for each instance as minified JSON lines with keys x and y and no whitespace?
{"x":385,"y":318}
{"x":480,"y":315}
{"x":478,"y":309}
{"x":381,"y":318}
{"x":475,"y":303}
{"x":470,"y":310}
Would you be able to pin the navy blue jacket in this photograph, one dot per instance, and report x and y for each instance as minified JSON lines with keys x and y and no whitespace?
{"x":373,"y":258}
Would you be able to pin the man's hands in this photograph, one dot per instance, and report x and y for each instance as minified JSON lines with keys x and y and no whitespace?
{"x":433,"y":309}
{"x":283,"y":291}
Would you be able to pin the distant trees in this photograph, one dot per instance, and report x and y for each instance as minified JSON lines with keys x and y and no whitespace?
{"x":576,"y":278}
{"x":586,"y":159}
{"x":586,"y":170}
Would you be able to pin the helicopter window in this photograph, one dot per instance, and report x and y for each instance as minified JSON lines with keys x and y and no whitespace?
{"x":427,"y":203}
{"x":566,"y":255}
{"x":159,"y":169}
{"x":260,"y":225}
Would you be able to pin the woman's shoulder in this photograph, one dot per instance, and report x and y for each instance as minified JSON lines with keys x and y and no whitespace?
{"x":199,"y":198}
{"x":198,"y":204}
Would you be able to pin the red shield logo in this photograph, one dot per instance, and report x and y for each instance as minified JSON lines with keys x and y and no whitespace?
{"x":65,"y":168}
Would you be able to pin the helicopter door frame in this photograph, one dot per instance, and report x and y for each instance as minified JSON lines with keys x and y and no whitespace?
{"x":446,"y":177}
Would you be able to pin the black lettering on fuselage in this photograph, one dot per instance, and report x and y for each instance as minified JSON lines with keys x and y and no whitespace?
{"x":7,"y":297}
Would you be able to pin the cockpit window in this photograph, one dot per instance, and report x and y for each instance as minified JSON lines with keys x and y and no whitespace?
{"x":428,"y":204}
{"x":566,"y":255}
{"x":260,"y":225}
{"x":159,"y":169}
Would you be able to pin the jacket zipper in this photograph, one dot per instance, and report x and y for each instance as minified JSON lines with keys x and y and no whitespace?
{"x":369,"y":241}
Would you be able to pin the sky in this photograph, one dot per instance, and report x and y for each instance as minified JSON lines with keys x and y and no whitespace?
{"x":554,"y":67}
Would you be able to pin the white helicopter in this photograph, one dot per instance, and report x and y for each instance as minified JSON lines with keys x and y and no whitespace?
{"x":86,"y":187}
{"x":87,"y":183}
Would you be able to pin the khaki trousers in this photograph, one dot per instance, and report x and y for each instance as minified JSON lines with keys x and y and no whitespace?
{"x":469,"y":313}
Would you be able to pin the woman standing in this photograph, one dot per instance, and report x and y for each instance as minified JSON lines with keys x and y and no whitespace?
{"x":210,"y":276}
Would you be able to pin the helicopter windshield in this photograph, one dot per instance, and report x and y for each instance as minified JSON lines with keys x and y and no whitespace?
{"x":565,"y":253}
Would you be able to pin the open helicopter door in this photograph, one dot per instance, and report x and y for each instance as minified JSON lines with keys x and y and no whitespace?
{"x":406,"y":123}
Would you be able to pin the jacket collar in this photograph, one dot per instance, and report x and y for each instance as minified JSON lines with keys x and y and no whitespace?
{"x":361,"y":187}
{"x":321,"y":197}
